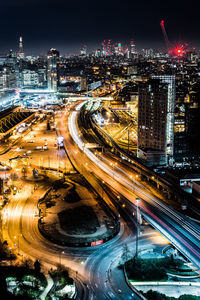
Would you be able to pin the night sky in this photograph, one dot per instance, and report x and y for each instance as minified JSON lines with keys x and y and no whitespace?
{"x":67,"y":25}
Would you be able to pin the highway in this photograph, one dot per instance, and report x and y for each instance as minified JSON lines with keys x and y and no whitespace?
{"x":180,"y":230}
{"x":94,"y":269}
{"x":88,"y":266}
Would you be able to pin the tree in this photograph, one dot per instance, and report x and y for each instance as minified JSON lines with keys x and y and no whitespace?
{"x":125,"y":254}
{"x":37,"y":266}
{"x":153,"y":295}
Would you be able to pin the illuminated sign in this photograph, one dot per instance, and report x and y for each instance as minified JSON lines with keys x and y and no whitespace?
{"x":96,"y":243}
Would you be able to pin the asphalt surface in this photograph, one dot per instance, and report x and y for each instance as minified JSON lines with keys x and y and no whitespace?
{"x":88,"y":266}
{"x":180,"y":230}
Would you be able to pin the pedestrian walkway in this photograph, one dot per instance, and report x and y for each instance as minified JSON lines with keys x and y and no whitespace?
{"x":170,"y":289}
{"x":50,"y":284}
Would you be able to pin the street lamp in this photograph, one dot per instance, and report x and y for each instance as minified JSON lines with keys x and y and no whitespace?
{"x":137,"y":226}
{"x":62,"y":252}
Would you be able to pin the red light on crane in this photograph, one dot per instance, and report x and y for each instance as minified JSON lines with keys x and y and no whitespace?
{"x":162,"y":22}
{"x":178,"y":51}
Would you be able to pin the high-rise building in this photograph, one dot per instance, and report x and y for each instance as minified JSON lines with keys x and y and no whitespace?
{"x":52,"y":68}
{"x":132,"y":44}
{"x":7,"y":78}
{"x":83,"y":50}
{"x":171,"y":81}
{"x":20,"y":53}
{"x":29,"y":79}
{"x":152,"y":122}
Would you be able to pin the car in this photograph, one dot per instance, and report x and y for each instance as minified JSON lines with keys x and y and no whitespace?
{"x":38,"y":147}
{"x":28,"y":152}
{"x":45,"y":147}
{"x":119,"y":291}
{"x":46,"y":144}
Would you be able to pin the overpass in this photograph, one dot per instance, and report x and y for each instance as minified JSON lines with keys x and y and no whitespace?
{"x":183,"y":233}
{"x":168,"y":186}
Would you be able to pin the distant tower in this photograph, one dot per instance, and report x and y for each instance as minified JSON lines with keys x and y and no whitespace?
{"x":132,"y":44}
{"x":20,"y":45}
{"x":52,"y":68}
{"x":20,"y":54}
{"x":84,"y":50}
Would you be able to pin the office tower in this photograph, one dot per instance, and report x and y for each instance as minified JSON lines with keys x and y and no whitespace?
{"x":171,"y":82}
{"x":152,"y":122}
{"x":132,"y":44}
{"x":30,"y":79}
{"x":20,"y":53}
{"x":52,"y":68}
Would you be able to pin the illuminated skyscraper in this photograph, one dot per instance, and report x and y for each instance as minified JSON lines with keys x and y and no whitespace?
{"x":52,"y":68}
{"x":170,"y":80}
{"x":20,"y":53}
{"x":152,"y":122}
{"x":132,"y":44}
{"x":83,"y":50}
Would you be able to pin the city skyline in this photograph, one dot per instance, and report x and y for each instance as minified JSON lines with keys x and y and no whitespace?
{"x":68,"y":26}
{"x":99,"y":150}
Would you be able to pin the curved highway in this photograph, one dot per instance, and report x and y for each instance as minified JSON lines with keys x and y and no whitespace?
{"x":180,"y":230}
{"x":89,"y":266}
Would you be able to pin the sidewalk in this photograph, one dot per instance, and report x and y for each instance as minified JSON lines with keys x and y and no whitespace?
{"x":50,"y":284}
{"x":170,"y":289}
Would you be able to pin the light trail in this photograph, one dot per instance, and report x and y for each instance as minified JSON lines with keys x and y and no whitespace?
{"x":147,"y":197}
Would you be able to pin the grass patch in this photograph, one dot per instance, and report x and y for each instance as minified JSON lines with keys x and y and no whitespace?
{"x":153,"y":295}
{"x":79,"y":220}
{"x":72,"y":197}
{"x":151,"y":269}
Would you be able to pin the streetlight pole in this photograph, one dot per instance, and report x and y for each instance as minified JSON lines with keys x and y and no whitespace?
{"x":137,"y":226}
{"x":62,"y":252}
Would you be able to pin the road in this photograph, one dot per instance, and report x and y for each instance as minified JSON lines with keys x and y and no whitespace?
{"x":180,"y":230}
{"x":38,"y":137}
{"x":89,"y":266}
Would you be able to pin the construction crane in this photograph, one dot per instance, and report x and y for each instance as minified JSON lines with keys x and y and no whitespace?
{"x":176,"y":50}
{"x":167,"y":42}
